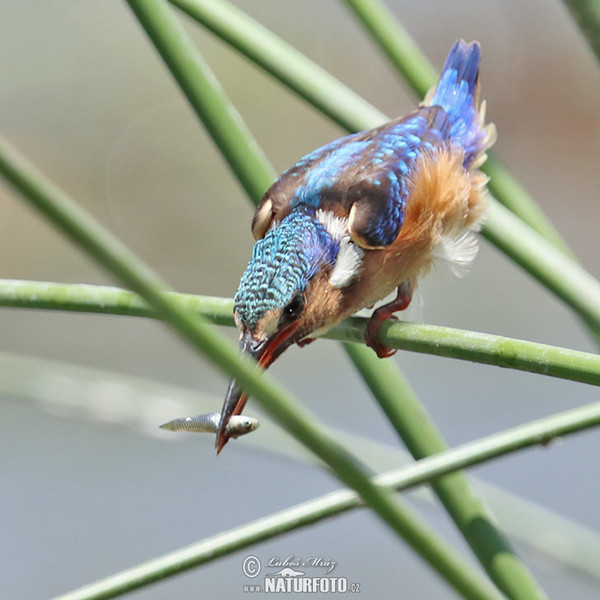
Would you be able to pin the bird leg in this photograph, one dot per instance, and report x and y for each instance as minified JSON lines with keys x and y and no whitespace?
{"x":402,"y":300}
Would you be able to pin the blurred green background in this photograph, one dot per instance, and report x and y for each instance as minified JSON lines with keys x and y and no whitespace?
{"x":89,"y":484}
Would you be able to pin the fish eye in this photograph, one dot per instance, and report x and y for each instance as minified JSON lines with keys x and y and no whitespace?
{"x":293,"y":308}
{"x":247,"y":424}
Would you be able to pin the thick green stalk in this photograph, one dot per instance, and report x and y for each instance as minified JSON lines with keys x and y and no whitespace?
{"x":68,"y":387}
{"x":513,"y":196}
{"x":587,"y":16}
{"x":328,"y":505}
{"x":473,"y":346}
{"x":422,"y":438}
{"x":105,"y":299}
{"x":108,"y":251}
{"x":396,"y":43}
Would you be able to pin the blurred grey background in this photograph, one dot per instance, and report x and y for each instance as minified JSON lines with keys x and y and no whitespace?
{"x":89,"y":487}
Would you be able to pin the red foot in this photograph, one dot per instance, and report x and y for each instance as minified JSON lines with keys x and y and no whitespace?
{"x":305,"y":342}
{"x":373,"y":330}
{"x":383,"y":313}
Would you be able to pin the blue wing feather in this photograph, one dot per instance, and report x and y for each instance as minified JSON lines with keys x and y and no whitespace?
{"x":456,"y":92}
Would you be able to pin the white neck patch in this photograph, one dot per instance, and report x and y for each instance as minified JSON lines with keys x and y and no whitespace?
{"x":349,"y":258}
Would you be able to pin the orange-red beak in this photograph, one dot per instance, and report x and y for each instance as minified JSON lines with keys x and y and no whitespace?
{"x":264,"y":352}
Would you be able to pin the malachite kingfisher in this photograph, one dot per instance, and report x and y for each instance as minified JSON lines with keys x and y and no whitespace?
{"x":363,"y":216}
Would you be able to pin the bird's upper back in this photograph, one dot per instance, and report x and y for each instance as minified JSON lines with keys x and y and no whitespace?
{"x":373,"y":164}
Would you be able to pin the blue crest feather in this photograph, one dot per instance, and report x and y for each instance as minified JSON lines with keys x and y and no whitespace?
{"x":282,"y":263}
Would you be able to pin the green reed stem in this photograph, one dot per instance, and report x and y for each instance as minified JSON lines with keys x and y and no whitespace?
{"x":436,"y":340}
{"x":209,"y":101}
{"x":422,"y":438}
{"x":586,"y":14}
{"x":285,"y":63}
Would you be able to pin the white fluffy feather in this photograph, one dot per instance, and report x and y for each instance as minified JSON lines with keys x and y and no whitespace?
{"x":347,"y":264}
{"x":349,"y":256}
{"x":457,"y":253}
{"x":337,"y":227}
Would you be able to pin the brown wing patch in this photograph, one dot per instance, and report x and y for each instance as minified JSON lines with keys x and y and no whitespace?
{"x":262,"y":219}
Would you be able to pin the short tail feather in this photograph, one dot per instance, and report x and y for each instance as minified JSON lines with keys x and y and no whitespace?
{"x":457,"y":92}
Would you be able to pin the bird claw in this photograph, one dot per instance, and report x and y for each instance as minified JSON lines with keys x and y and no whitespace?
{"x":371,"y":336}
{"x":305,"y":342}
{"x":402,"y":300}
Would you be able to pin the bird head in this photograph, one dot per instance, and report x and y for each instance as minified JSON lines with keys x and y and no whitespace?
{"x":285,"y":294}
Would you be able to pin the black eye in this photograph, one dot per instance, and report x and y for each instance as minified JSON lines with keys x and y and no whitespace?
{"x":293,"y":308}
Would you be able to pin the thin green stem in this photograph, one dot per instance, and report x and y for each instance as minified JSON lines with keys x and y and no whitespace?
{"x":104,"y":299}
{"x":586,"y":14}
{"x":547,"y":264}
{"x":396,"y":43}
{"x":285,"y":63}
{"x":208,"y":99}
{"x":473,"y":346}
{"x":422,"y":438}
{"x":515,"y":197}
{"x":334,"y":503}
{"x":478,"y":347}
{"x":69,"y":387}
{"x":102,"y":246}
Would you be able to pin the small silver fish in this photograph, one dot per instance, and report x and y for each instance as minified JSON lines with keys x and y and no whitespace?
{"x":209,"y":423}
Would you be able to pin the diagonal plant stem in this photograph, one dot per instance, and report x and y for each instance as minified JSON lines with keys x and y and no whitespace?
{"x":547,"y":264}
{"x":426,"y":470}
{"x":473,"y":346}
{"x":286,"y":64}
{"x":207,"y":98}
{"x":307,"y":79}
{"x":422,"y":438}
{"x":586,"y":14}
{"x":560,"y":539}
